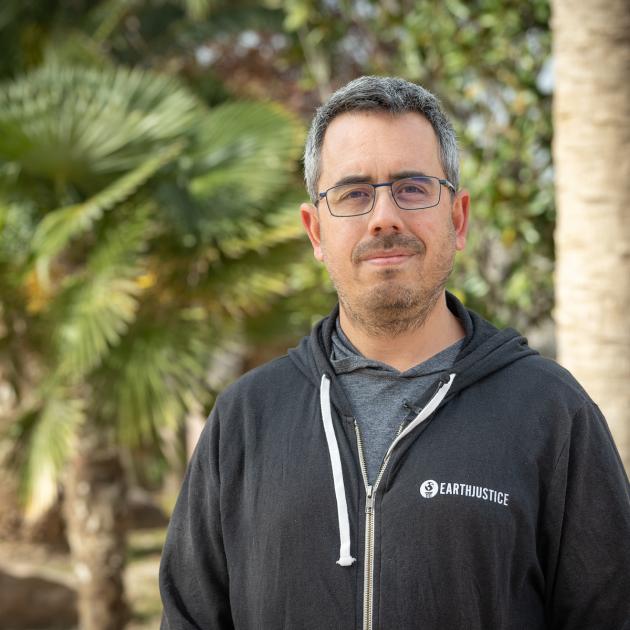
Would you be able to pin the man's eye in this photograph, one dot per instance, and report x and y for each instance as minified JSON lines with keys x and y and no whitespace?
{"x":413,"y":189}
{"x":354,"y":194}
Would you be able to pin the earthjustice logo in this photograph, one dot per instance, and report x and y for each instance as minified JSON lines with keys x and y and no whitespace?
{"x":431,"y":488}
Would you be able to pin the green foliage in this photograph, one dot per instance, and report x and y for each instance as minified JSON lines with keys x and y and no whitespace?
{"x":148,"y":382}
{"x":58,"y":227}
{"x":80,"y":126}
{"x":44,"y":437}
{"x":133,"y":291}
{"x":239,"y":152}
{"x":96,"y":305}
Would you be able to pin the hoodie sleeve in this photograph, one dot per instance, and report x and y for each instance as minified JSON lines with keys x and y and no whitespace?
{"x":587,"y":528}
{"x":193,"y":569}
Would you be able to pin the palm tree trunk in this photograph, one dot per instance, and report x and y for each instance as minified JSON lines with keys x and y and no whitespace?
{"x":592,"y":164}
{"x":96,"y":522}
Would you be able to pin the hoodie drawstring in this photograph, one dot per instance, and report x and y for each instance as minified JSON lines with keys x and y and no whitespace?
{"x":345,"y":559}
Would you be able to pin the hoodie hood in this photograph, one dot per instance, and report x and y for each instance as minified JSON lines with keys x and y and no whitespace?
{"x":486,"y":349}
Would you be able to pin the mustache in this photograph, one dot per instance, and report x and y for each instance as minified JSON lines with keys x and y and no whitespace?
{"x":389,"y":241}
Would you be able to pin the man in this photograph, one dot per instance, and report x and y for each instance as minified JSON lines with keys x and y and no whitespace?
{"x":408,"y":465}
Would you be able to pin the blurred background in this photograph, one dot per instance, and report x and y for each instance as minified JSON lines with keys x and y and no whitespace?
{"x":151,"y":249}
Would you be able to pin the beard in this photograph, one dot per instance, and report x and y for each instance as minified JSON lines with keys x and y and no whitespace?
{"x":393,"y":307}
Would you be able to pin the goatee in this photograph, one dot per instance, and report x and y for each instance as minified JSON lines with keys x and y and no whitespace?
{"x":392,"y":308}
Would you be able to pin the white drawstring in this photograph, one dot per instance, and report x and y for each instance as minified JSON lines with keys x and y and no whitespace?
{"x":345,"y":559}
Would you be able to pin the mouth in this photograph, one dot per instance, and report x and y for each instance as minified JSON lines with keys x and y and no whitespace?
{"x":388,"y":257}
{"x":389,"y":251}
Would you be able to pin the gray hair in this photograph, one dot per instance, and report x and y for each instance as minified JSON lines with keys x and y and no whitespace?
{"x":387,"y":94}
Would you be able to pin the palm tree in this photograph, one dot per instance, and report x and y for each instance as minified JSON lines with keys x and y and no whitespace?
{"x":137,"y":227}
{"x":592,"y":132}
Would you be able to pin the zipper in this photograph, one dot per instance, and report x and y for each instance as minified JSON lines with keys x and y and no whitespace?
{"x":370,"y":494}
{"x":368,"y":571}
{"x":368,"y":564}
{"x":368,"y":578}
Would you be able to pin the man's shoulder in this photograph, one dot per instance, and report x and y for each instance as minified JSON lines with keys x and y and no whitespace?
{"x":268,"y":380}
{"x":545,"y":378}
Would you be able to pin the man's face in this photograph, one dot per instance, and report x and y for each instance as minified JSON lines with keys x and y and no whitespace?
{"x":389,"y":266}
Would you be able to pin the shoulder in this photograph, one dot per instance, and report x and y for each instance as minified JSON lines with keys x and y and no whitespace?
{"x":549,"y":401}
{"x":265,"y":385}
{"x":535,"y":380}
{"x":533,"y":396}
{"x":549,"y":377}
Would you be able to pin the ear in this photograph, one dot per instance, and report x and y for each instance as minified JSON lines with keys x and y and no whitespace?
{"x":459,"y":215}
{"x":310,"y":220}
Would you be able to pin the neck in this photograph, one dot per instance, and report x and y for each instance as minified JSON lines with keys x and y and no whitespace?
{"x":405,"y":350}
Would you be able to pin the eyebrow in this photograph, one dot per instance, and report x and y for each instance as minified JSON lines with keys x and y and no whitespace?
{"x":402,"y":174}
{"x":364,"y":179}
{"x":353,"y":179}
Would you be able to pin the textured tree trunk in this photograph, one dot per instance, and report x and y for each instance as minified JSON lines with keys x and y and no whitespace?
{"x":96,"y":522}
{"x":592,"y":167}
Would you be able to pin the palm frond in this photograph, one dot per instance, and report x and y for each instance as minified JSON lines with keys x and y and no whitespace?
{"x":43,"y":437}
{"x":85,"y":126}
{"x":17,"y":225}
{"x":264,"y":233}
{"x":249,"y":284}
{"x":97,"y":306}
{"x":56,"y":230}
{"x":99,"y":313}
{"x":244,"y":156}
{"x":150,"y":381}
{"x":309,"y":299}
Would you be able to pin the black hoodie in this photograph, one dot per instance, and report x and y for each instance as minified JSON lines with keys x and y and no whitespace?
{"x":504,"y":505}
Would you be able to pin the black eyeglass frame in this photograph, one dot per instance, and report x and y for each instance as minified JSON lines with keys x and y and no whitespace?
{"x":443,"y":182}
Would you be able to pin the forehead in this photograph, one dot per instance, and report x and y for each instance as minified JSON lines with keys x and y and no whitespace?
{"x":378,"y":145}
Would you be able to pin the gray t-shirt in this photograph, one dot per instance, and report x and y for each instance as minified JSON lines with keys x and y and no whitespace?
{"x":381,"y":397}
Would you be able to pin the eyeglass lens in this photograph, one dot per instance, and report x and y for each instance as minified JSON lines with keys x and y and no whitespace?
{"x":411,"y":193}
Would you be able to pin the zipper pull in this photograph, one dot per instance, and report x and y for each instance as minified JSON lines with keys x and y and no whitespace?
{"x":369,"y":500}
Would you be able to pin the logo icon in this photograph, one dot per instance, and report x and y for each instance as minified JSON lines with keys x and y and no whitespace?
{"x":429,"y":489}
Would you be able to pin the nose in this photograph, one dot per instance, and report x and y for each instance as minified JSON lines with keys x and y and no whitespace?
{"x":385,"y":215}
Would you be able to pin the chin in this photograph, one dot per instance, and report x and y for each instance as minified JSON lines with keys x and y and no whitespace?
{"x":393,"y":297}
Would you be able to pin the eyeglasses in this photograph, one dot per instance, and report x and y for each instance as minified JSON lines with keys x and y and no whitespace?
{"x":409,"y":193}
